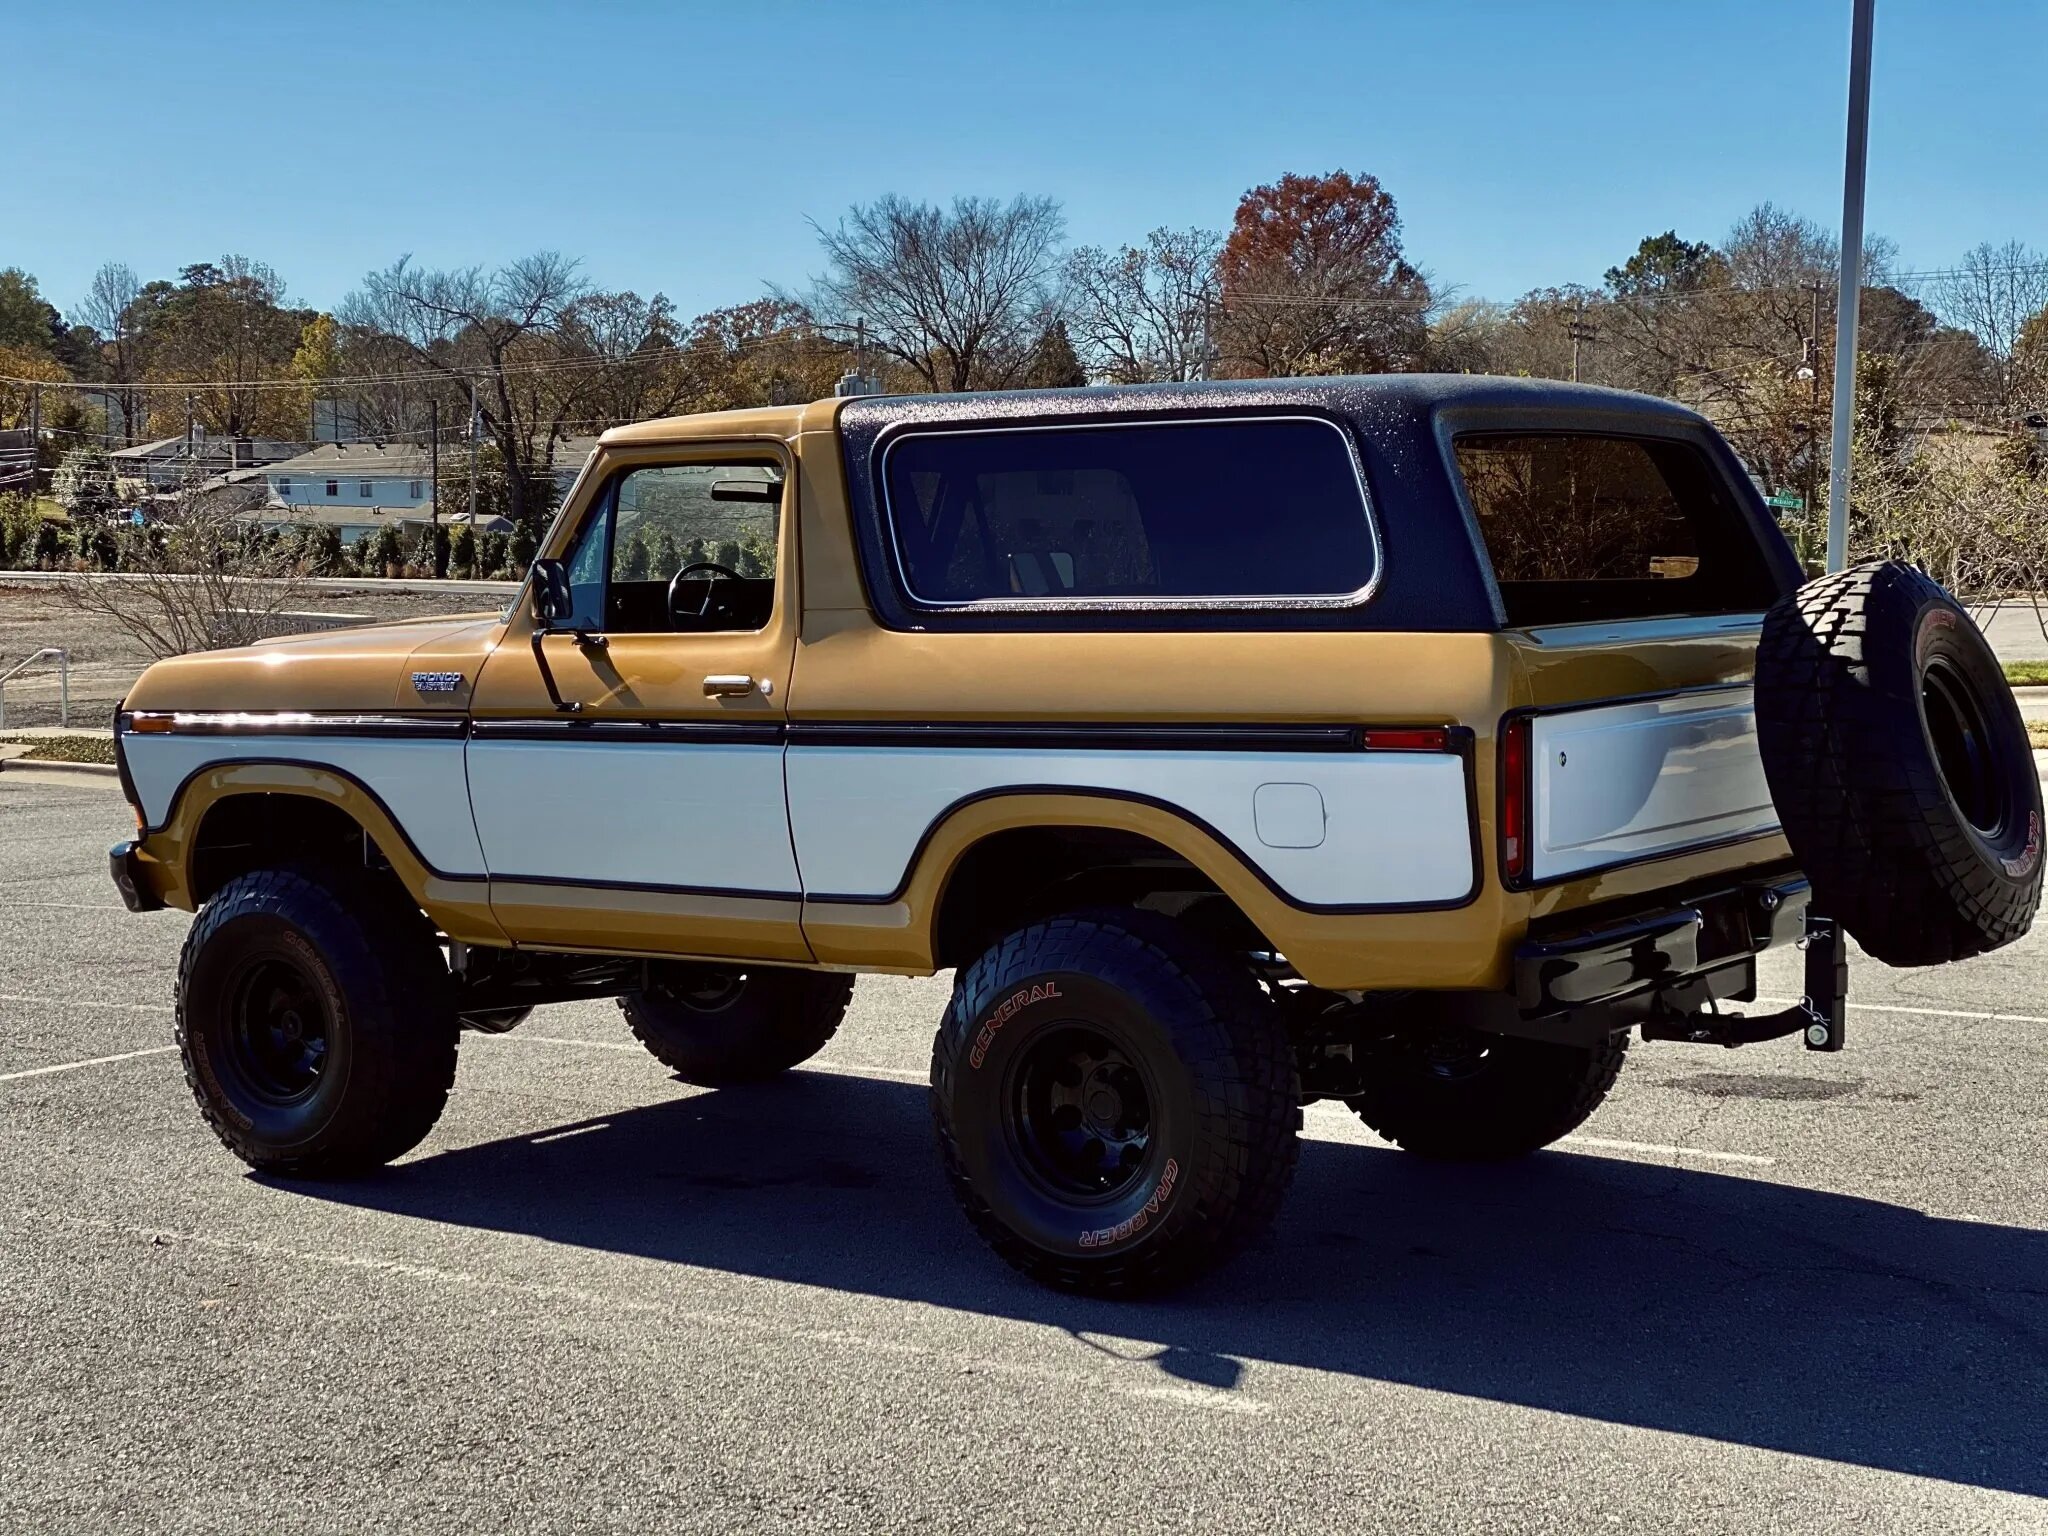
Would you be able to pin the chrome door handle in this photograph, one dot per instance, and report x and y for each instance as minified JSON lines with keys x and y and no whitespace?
{"x":731,"y":685}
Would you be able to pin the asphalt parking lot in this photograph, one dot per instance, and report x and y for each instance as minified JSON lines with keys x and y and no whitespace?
{"x":1764,"y":1290}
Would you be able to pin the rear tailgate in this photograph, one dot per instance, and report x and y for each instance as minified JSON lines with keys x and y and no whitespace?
{"x":1643,"y":778}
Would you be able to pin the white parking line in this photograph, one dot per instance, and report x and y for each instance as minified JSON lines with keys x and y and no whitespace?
{"x":86,"y":1002}
{"x":90,"y":1061}
{"x":1329,"y":1116}
{"x":62,"y":906}
{"x":1661,"y":1149}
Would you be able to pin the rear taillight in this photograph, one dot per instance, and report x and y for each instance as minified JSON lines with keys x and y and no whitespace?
{"x":1405,"y":739}
{"x":1514,"y":799}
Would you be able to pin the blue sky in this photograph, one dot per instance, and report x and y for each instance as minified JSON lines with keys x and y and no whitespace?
{"x":681,"y":147}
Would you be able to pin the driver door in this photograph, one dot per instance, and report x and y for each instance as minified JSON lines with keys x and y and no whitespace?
{"x":625,"y":763}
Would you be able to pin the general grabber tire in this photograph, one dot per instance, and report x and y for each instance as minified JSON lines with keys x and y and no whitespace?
{"x":316,"y":1022}
{"x":1899,"y":765}
{"x":1460,"y":1095}
{"x":720,"y":1026}
{"x":1116,"y":1105}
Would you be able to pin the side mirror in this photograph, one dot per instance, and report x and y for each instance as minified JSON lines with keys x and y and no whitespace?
{"x":551,"y":597}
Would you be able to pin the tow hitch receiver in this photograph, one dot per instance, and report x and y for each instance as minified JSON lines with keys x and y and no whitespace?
{"x":1817,"y":1017}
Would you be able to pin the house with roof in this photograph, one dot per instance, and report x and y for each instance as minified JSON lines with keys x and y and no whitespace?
{"x":175,"y":463}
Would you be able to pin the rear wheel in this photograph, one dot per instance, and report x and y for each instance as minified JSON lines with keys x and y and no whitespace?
{"x":719,"y":1025}
{"x":1458,"y":1094}
{"x":316,"y":1022}
{"x":1116,"y":1106}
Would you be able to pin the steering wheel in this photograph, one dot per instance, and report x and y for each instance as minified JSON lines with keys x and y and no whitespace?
{"x":703,"y":608}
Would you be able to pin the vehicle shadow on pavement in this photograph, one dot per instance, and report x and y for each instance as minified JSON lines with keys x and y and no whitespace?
{"x":1701,"y":1303}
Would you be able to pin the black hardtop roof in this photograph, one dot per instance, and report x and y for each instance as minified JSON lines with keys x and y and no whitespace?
{"x":1359,"y":396}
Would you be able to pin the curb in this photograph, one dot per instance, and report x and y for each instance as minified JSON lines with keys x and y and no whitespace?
{"x":87,"y":770}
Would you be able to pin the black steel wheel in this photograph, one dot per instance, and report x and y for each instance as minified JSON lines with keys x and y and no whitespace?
{"x":1116,"y":1103}
{"x":275,"y":1045}
{"x":316,"y":1022}
{"x":716,"y":1025}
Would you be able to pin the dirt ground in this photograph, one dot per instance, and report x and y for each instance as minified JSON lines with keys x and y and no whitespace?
{"x":105,"y":661}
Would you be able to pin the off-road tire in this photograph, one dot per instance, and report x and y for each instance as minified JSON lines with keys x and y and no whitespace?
{"x":376,"y":989}
{"x":1899,"y":765}
{"x":1485,"y":1098}
{"x":1219,"y":1082}
{"x":771,"y":1019}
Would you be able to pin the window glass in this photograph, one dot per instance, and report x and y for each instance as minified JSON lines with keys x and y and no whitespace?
{"x":1582,"y":527}
{"x":1156,"y":511}
{"x":654,"y":525}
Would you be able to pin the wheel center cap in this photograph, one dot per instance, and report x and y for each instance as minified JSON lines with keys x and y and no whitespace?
{"x":1104,"y":1105}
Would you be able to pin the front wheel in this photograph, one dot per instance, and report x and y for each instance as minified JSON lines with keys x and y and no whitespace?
{"x":717,"y":1026}
{"x":1116,"y":1106}
{"x":316,"y":1022}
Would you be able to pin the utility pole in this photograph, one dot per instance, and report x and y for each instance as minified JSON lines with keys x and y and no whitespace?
{"x":472,"y":458}
{"x":1855,"y":161}
{"x":1579,"y":331}
{"x":1812,"y":370}
{"x":434,"y":464}
{"x":35,"y":435}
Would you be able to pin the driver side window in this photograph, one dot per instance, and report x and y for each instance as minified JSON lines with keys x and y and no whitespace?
{"x":686,"y":548}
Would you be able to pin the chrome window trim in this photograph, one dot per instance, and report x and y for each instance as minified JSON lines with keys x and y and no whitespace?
{"x":1276,"y":602}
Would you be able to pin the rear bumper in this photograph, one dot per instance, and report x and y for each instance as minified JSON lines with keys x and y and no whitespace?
{"x":1683,"y":948}
{"x":137,"y":894}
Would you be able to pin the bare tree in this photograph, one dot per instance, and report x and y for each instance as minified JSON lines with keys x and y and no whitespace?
{"x":198,"y":578}
{"x":960,"y":296}
{"x":1142,"y":313}
{"x":481,"y":331}
{"x":108,"y":307}
{"x":1993,"y":292}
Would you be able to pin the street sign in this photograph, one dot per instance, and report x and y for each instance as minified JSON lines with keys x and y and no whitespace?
{"x":1786,"y":501}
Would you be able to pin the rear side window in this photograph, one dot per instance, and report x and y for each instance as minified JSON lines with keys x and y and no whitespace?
{"x":1180,"y":513}
{"x":1583,"y":528}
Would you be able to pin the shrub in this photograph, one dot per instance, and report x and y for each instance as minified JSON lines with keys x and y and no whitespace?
{"x":668,"y":555}
{"x":19,"y":523}
{"x":462,"y":551}
{"x":491,"y":555}
{"x":383,"y":554}
{"x":637,"y":557}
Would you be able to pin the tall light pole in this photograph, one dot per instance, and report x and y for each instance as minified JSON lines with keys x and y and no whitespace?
{"x":1851,"y":281}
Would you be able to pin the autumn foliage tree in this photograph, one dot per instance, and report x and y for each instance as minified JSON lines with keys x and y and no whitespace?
{"x":1313,"y":281}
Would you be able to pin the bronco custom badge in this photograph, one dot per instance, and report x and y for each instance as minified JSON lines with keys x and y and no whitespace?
{"x":436,"y":682}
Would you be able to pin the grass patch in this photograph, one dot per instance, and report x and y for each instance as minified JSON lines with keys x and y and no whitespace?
{"x":2037,"y":733}
{"x":2026,"y":672}
{"x":64,"y":749}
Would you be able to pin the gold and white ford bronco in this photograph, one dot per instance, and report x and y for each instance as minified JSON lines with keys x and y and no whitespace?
{"x":1405,"y":741}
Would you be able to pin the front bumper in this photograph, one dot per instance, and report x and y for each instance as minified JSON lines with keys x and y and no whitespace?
{"x":137,"y":894}
{"x":1694,"y":946}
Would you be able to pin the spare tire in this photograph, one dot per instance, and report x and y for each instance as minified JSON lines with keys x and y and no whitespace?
{"x":1900,"y":765}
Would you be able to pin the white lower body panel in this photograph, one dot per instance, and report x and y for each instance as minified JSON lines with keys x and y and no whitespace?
{"x":420,"y":782}
{"x":1396,"y":827}
{"x":1633,"y":781}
